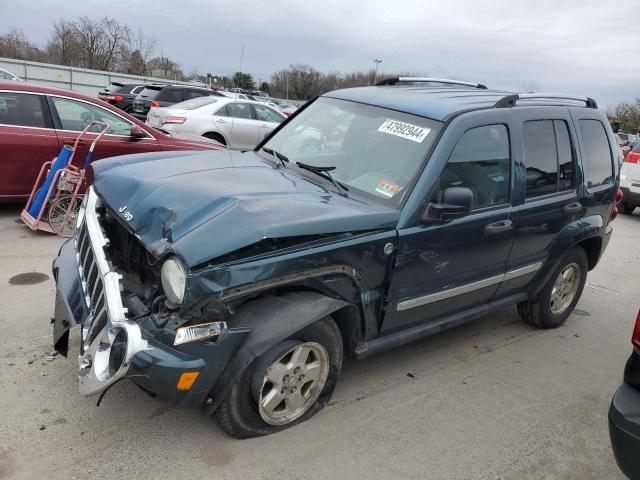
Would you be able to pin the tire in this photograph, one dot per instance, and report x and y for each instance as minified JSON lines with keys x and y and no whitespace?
{"x":626,"y":208}
{"x":239,"y":415}
{"x":548,"y":311}
{"x":217,"y":137}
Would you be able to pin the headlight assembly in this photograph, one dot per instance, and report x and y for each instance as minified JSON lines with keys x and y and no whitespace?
{"x":174,"y":278}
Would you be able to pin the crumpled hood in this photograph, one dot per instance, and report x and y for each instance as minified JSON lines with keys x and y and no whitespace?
{"x":206,"y":204}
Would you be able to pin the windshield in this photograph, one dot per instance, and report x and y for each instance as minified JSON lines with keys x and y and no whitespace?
{"x":376,"y":151}
{"x":195,"y":103}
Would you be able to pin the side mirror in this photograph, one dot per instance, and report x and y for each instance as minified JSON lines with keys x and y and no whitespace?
{"x":137,"y":132}
{"x":456,"y":203}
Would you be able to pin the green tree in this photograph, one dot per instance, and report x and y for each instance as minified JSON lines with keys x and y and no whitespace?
{"x":243,"y":80}
{"x":264,"y":87}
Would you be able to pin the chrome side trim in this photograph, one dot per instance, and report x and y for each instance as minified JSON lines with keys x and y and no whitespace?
{"x":469,"y":287}
{"x":519,"y":272}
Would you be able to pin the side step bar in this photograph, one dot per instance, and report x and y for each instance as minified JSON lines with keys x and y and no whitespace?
{"x":401,"y":337}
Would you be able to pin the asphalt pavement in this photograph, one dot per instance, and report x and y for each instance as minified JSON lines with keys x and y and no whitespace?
{"x":495,"y":399}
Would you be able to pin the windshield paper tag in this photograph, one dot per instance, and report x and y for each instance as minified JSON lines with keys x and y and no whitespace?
{"x":387,"y":188}
{"x":404,"y":130}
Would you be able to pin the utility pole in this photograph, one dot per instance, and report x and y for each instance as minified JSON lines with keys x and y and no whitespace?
{"x":375,"y":74}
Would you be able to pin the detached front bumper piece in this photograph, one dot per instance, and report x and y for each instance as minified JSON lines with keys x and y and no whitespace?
{"x":114,"y":346}
{"x":624,"y":430}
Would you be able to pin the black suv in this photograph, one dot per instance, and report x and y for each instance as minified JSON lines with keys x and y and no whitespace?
{"x":236,"y":281}
{"x":121,"y":95}
{"x":157,"y":95}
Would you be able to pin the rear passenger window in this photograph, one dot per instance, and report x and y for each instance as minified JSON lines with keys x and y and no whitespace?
{"x":481,"y":162}
{"x":597,"y":160}
{"x":240,"y":110}
{"x":171,"y":95}
{"x":222,"y":112}
{"x":548,"y":156}
{"x":22,"y":109}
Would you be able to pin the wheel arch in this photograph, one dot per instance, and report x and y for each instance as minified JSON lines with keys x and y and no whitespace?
{"x":270,"y":320}
{"x":588,"y":233}
{"x":215,"y":133}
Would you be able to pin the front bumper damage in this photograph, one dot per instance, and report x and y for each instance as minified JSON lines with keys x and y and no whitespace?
{"x":115,"y":346}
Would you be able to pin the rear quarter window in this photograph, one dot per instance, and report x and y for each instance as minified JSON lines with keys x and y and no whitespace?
{"x":149,"y":93}
{"x":597,"y":160}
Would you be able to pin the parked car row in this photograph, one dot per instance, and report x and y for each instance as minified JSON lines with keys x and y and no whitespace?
{"x":238,"y":124}
{"x":36,"y":121}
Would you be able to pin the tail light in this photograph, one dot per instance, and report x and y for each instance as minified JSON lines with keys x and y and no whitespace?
{"x":632,"y":157}
{"x":154,"y":103}
{"x":614,"y":209}
{"x":172,"y":119}
{"x":619,"y":196}
{"x":114,"y":98}
{"x":636,"y":332}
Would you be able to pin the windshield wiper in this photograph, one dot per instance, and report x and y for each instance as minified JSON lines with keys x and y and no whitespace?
{"x":276,"y":155}
{"x":324,"y":172}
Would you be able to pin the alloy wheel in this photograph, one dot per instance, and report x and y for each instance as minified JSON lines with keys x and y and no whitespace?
{"x":292,"y":384}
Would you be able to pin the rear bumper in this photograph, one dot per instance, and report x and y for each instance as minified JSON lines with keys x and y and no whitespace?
{"x":624,"y":430}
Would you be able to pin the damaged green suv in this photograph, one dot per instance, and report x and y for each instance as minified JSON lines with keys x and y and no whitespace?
{"x":237,"y":281}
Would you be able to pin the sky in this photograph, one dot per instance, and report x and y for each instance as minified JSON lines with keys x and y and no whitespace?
{"x":583,"y":47}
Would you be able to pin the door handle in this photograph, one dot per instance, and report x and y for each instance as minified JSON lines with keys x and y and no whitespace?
{"x":498,"y":227}
{"x":572,"y":207}
{"x":220,"y":120}
{"x":264,"y":126}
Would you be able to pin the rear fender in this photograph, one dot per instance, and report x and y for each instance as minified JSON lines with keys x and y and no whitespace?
{"x":572,"y":234}
{"x":270,"y":320}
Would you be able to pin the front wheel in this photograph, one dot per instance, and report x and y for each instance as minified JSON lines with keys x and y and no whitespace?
{"x":286,"y":385}
{"x":561,"y":293}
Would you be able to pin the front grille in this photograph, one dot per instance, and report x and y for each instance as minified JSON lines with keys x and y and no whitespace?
{"x":101,"y":285}
{"x":92,"y":284}
{"x":94,"y":268}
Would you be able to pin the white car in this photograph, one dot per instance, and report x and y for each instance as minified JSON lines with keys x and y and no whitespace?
{"x":238,"y":124}
{"x":630,"y":181}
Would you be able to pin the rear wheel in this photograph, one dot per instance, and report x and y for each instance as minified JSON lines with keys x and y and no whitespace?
{"x":286,"y":385}
{"x":560,"y":295}
{"x":217,"y":137}
{"x":626,"y":208}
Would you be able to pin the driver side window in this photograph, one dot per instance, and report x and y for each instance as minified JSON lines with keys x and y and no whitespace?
{"x":75,"y":116}
{"x":480,"y":162}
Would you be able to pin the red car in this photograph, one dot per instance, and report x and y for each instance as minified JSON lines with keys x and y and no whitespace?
{"x":36,"y":121}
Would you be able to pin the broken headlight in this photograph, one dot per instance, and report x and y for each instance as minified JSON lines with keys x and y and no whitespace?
{"x":174,"y":278}
{"x":204,"y":331}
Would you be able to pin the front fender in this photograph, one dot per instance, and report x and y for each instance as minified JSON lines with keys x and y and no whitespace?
{"x":270,"y":320}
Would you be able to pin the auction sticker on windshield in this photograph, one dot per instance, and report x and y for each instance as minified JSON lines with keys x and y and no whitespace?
{"x":404,"y":130}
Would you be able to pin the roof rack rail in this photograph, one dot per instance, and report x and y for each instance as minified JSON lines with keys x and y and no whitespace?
{"x":510,"y":100}
{"x":396,"y":80}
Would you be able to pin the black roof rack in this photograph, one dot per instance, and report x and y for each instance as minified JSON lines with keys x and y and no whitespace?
{"x":511,"y":100}
{"x":396,"y":80}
